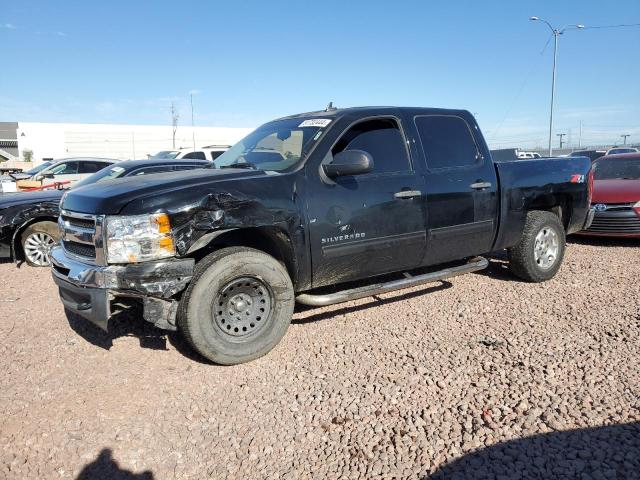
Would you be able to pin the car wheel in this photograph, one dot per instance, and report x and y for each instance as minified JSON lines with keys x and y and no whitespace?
{"x":538,"y":255}
{"x":37,"y":241}
{"x":238,"y":305}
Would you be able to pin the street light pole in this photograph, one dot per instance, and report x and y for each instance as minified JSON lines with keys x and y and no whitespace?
{"x":560,"y":136}
{"x":553,"y":90}
{"x":624,"y":136}
{"x":193,"y":125}
{"x":556,"y":33}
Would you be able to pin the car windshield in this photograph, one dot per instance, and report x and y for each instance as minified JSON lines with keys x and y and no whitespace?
{"x":40,"y":167}
{"x":101,"y":176}
{"x":275,"y":146}
{"x":168,"y":154}
{"x":617,"y":168}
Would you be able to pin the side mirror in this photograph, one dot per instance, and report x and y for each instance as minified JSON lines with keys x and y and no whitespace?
{"x":48,"y":175}
{"x":349,"y":162}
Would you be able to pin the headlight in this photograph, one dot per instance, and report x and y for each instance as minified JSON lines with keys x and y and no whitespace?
{"x":636,"y":208}
{"x":138,"y":238}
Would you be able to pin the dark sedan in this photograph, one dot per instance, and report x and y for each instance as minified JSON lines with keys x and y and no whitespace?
{"x":616,"y":196}
{"x":28,"y":220}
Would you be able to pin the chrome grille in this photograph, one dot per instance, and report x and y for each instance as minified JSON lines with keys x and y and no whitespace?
{"x":80,"y":249}
{"x":82,"y":236}
{"x":617,"y":218}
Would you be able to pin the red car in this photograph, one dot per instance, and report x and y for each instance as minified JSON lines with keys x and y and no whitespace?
{"x":616,"y":196}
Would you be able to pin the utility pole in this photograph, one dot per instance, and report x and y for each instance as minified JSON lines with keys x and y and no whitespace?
{"x":580,"y":136}
{"x":174,"y":123}
{"x":624,"y":136}
{"x":560,"y":135}
{"x":193,"y":130}
{"x":556,"y":34}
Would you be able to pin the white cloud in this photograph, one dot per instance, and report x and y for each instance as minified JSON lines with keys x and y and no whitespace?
{"x":9,"y":26}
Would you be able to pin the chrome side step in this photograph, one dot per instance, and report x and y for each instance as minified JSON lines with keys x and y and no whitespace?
{"x":475,"y":264}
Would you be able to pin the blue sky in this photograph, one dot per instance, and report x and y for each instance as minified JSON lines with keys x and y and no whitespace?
{"x":250,"y":61}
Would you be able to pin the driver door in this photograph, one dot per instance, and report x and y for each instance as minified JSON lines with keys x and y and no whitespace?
{"x":372,"y":223}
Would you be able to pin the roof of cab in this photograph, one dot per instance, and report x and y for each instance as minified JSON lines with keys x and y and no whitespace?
{"x":336,"y":112}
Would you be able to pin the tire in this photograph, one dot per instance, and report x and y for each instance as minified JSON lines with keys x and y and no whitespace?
{"x":238,"y":305}
{"x":531,"y":259}
{"x":37,"y":240}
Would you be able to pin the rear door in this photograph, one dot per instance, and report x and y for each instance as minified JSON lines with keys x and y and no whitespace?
{"x":368,"y":224}
{"x":89,"y":167}
{"x":461,"y":188}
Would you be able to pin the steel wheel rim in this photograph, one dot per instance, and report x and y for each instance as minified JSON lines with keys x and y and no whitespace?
{"x":37,"y":248}
{"x":546,"y":248}
{"x":242,"y":307}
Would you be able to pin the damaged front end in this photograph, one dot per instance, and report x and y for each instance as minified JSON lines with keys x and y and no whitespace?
{"x":96,"y":292}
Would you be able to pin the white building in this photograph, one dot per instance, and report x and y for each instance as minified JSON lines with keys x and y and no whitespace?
{"x":43,"y":141}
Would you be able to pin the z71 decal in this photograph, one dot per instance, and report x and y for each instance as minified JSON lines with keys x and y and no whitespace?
{"x":577,"y":178}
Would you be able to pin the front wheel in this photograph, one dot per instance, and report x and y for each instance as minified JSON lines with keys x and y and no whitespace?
{"x":538,"y":255}
{"x":238,"y":305}
{"x":37,"y":241}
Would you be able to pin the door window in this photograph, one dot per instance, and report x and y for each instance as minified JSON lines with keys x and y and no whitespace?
{"x":382,"y":139}
{"x":447,"y":141}
{"x":196,"y":155}
{"x":91,"y":167}
{"x":66,"y":168}
{"x":186,"y":167}
{"x":150,"y":170}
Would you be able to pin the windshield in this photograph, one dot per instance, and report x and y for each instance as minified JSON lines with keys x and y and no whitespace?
{"x":169,"y":154}
{"x":617,"y":168}
{"x":101,"y":176}
{"x":274,"y":146}
{"x":35,"y":170}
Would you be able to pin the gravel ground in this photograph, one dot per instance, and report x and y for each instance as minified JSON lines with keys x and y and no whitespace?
{"x":484,"y":376}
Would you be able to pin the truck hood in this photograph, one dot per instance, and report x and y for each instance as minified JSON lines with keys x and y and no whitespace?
{"x":25,"y":198}
{"x":616,"y":191}
{"x":109,"y":198}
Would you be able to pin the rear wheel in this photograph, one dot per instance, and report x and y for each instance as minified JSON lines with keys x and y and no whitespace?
{"x":238,"y":306}
{"x":37,"y":241}
{"x":538,"y":255}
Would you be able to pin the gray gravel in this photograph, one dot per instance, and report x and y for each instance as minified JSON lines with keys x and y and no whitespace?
{"x":482,"y":377}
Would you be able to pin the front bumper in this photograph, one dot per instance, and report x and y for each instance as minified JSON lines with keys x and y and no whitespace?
{"x":90,"y":290}
{"x":615,"y":221}
{"x":589,"y":220}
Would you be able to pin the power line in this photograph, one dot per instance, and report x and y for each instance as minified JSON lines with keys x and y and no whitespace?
{"x":524,"y":83}
{"x":622,"y":25}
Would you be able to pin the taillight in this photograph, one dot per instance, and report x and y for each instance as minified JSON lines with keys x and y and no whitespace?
{"x":636,"y":208}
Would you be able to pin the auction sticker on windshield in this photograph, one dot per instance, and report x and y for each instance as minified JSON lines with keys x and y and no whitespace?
{"x":316,"y":122}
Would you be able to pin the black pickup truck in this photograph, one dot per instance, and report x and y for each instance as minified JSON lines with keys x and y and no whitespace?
{"x":317,"y":208}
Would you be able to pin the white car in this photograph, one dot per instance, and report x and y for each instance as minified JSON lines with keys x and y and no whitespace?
{"x":528,"y":155}
{"x":66,"y":170}
{"x":616,"y":150}
{"x":205,"y":153}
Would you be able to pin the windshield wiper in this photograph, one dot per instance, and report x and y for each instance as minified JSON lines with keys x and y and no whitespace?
{"x":240,"y":165}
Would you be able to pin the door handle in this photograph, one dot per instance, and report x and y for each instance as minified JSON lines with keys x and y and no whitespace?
{"x":480,"y":185}
{"x":407,"y":194}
